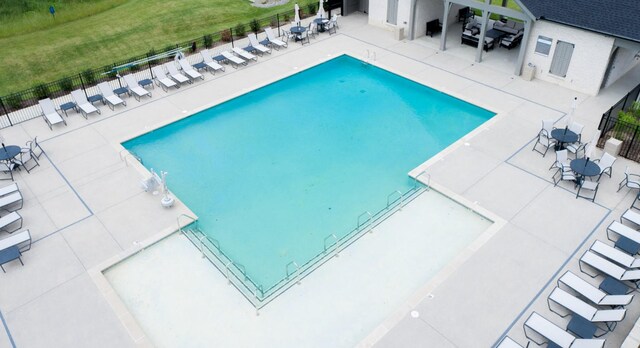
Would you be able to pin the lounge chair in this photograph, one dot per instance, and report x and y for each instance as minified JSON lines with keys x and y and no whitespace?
{"x":507,"y":342}
{"x":11,"y":219}
{"x":628,"y":239}
{"x":552,"y":333}
{"x":235,"y":61}
{"x":591,"y":293}
{"x":49,"y":113}
{"x":210,"y":63}
{"x":109,"y":96}
{"x":10,"y":200}
{"x":22,"y":240}
{"x":11,"y":188}
{"x":615,"y":255}
{"x":244,"y":54}
{"x":189,"y":70}
{"x":81,"y":101}
{"x":575,"y":305}
{"x":135,"y":88}
{"x":609,"y":268}
{"x":174,"y":74}
{"x":272,"y":40}
{"x":257,"y":46}
{"x":162,"y":79}
{"x":631,"y":216}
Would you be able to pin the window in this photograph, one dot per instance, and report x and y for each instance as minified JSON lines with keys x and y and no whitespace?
{"x":561,"y":59}
{"x":392,"y":11}
{"x":543,"y":46}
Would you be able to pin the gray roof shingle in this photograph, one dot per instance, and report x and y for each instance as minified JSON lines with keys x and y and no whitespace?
{"x":619,"y":18}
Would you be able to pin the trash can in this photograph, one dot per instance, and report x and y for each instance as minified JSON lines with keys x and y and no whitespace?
{"x":399,"y":33}
{"x":528,"y":72}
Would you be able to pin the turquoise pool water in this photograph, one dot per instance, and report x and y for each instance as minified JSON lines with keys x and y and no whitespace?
{"x":273,"y":172}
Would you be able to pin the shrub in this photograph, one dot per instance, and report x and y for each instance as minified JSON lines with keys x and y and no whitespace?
{"x":14,"y":101}
{"x":225,"y":36}
{"x":311,"y":8}
{"x":208,"y":41}
{"x":66,"y":84}
{"x":286,"y":17}
{"x":88,"y":76}
{"x":255,"y":26}
{"x":41,"y":91}
{"x":240,"y":30}
{"x":274,"y":23}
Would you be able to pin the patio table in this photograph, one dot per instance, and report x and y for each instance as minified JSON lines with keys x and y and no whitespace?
{"x":563,"y":136}
{"x":297,"y":30}
{"x":120,"y":91}
{"x":66,"y":106}
{"x":321,"y":23}
{"x":584,"y":167}
{"x":9,"y":152}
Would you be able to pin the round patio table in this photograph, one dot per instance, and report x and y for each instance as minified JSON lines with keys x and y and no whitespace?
{"x":9,"y":152}
{"x":298,"y":30}
{"x":584,"y":167}
{"x":321,"y":23}
{"x":563,"y":136}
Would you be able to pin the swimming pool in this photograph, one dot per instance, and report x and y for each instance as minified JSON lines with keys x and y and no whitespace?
{"x":272,"y":173}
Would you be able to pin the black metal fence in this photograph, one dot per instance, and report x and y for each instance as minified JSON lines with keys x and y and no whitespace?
{"x":612,"y":126}
{"x":21,"y":106}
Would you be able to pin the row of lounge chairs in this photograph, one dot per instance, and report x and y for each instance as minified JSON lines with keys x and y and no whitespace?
{"x":594,"y":311}
{"x":12,"y":247}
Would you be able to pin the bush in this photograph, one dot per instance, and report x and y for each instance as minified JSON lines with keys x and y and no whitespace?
{"x":274,"y":23}
{"x":240,"y":30}
{"x":41,"y":91}
{"x":66,"y":84}
{"x":255,"y":26}
{"x":225,"y":36}
{"x":286,"y":18}
{"x":311,"y":8}
{"x":208,"y":41}
{"x":88,"y":77}
{"x":14,"y":101}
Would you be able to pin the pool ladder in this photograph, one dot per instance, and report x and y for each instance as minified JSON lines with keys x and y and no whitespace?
{"x":370,"y":55}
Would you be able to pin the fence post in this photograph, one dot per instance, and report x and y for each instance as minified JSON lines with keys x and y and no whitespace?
{"x":626,"y":154}
{"x":278,"y":21}
{"x":82,"y":84}
{"x":149,"y":65}
{"x":5,"y":112}
{"x":231,"y":31}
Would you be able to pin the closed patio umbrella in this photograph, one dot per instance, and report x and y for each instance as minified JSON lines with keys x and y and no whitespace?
{"x":297,"y":14}
{"x":321,"y":13}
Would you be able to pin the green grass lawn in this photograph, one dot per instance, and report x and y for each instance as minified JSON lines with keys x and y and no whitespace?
{"x":92,"y":33}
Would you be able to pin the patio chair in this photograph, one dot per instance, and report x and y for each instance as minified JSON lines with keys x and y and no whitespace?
{"x":605,"y":163}
{"x":562,"y":160}
{"x":312,"y":29}
{"x":589,"y":186}
{"x":257,"y":46}
{"x":553,"y":333}
{"x":596,"y":296}
{"x":10,"y":201}
{"x":544,"y":137}
{"x":631,"y":216}
{"x":244,"y":54}
{"x":273,"y":40}
{"x":34,"y":147}
{"x":576,"y":128}
{"x":210,"y":64}
{"x":81,"y":101}
{"x":628,"y":239}
{"x":7,"y":168}
{"x":235,"y":61}
{"x":188,"y":69}
{"x":609,"y":317}
{"x":49,"y":113}
{"x":175,"y":74}
{"x":331,"y":26}
{"x":564,"y":174}
{"x":304,"y":36}
{"x":631,"y":181}
{"x":109,"y":96}
{"x":135,"y":88}
{"x":162,"y":80}
{"x":615,"y":255}
{"x":578,"y":149}
{"x":597,"y":262}
{"x":9,"y":222}
{"x":508,"y":342}
{"x":25,"y":158}
{"x":11,"y":188}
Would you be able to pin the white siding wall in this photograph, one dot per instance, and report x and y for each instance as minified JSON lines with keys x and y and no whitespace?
{"x":378,"y":14}
{"x":426,"y":11}
{"x":625,"y":60}
{"x":588,"y":63}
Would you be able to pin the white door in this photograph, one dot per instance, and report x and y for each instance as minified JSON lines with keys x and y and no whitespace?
{"x":392,"y":12}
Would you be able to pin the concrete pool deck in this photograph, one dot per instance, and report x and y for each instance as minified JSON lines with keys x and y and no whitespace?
{"x":84,"y":205}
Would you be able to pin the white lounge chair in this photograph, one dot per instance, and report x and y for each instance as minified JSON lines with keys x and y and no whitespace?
{"x":575,"y":305}
{"x":591,"y":293}
{"x":11,"y":188}
{"x":253,"y":40}
{"x":210,"y":63}
{"x":21,"y":239}
{"x":189,"y":70}
{"x":9,"y":201}
{"x":273,"y":40}
{"x":507,"y":342}
{"x":244,"y":54}
{"x":49,"y":113}
{"x":175,"y":74}
{"x":11,"y":219}
{"x":109,"y":96}
{"x":552,"y":333}
{"x":162,"y":79}
{"x":609,"y":268}
{"x":135,"y":88}
{"x":235,"y":61}
{"x":615,"y":255}
{"x":81,"y":101}
{"x":628,"y":239}
{"x":631,"y":216}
